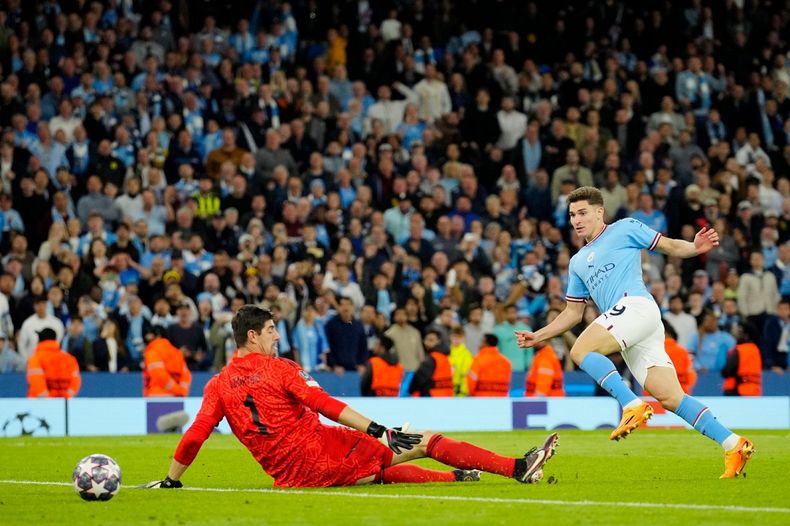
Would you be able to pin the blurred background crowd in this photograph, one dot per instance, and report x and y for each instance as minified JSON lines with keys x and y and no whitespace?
{"x":368,"y":168}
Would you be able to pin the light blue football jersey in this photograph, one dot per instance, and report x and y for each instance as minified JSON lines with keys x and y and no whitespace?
{"x":610,"y":266}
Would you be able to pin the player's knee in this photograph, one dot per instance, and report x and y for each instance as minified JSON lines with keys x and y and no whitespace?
{"x":670,"y":401}
{"x":578,"y":353}
{"x":422,"y":447}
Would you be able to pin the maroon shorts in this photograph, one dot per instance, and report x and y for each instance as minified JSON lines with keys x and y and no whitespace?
{"x":342,"y":457}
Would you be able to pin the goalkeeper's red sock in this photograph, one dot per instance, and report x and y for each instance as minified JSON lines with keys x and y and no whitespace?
{"x":415,"y":474}
{"x":467,"y":456}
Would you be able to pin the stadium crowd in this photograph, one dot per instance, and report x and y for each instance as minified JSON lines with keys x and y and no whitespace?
{"x":389,"y":178}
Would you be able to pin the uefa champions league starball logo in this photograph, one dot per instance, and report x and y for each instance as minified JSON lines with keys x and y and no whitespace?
{"x":25,"y":424}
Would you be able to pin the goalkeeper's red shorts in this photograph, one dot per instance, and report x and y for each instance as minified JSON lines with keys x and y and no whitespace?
{"x":342,"y":457}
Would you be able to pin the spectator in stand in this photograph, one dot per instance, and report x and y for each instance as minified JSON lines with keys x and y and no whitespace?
{"x":187,"y":336}
{"x":109,"y":351}
{"x":28,"y":337}
{"x":758,"y":294}
{"x":713,"y":344}
{"x":10,"y":360}
{"x":150,"y":106}
{"x":519,"y":358}
{"x":775,"y":338}
{"x":685,"y":324}
{"x":348,"y":349}
{"x":408,"y":343}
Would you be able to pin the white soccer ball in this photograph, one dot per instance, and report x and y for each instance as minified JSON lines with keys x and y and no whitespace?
{"x":536,"y":477}
{"x":97,"y":477}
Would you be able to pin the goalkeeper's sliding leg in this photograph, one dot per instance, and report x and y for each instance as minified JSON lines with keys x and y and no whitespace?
{"x":468,"y":459}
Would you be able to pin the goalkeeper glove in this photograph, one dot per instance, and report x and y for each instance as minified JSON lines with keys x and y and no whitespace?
{"x":168,"y":483}
{"x":394,"y":439}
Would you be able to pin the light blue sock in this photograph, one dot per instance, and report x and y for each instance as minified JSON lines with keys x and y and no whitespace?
{"x":700,"y":417}
{"x":604,"y":372}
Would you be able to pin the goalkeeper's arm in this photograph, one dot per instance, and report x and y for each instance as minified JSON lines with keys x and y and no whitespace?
{"x":332,"y":408}
{"x":395,"y":439}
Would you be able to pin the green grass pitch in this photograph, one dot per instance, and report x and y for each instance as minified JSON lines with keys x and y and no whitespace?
{"x":654,"y":477}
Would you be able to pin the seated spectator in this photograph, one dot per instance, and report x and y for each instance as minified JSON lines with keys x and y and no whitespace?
{"x":109,"y":352}
{"x":348,"y":348}
{"x":309,"y":340}
{"x":490,"y":372}
{"x":77,"y":344}
{"x":383,"y":374}
{"x":165,"y":373}
{"x":52,"y":372}
{"x":775,"y":339}
{"x":10,"y":360}
{"x":28,"y":337}
{"x":408,"y":343}
{"x":713,"y":345}
{"x":188,"y":336}
{"x":519,"y":358}
{"x":434,"y":376}
{"x":545,"y":374}
{"x":685,"y":324}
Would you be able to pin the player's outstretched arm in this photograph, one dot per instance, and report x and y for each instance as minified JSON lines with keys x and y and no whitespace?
{"x":171,"y":481}
{"x":566,"y":320}
{"x":394,"y":439}
{"x":706,"y":240}
{"x":206,"y":420}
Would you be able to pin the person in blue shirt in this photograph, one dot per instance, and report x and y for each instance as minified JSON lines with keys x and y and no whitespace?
{"x":713,"y":344}
{"x":607,"y":270}
{"x":648,"y":215}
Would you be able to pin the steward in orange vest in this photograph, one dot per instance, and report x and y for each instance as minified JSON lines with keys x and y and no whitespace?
{"x":52,"y":372}
{"x":434,"y":376}
{"x":681,"y":359}
{"x":545,"y":374}
{"x":165,"y":371}
{"x":743,"y":371}
{"x":490,"y":371}
{"x":383,"y":374}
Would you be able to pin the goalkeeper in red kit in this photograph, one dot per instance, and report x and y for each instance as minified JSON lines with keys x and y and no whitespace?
{"x":272,"y":407}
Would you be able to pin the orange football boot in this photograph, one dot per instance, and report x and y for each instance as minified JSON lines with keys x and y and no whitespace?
{"x":632,"y":418}
{"x":736,"y":458}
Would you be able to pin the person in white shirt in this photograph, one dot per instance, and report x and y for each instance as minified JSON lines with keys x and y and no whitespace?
{"x":391,"y":27}
{"x":434,"y":97}
{"x":512,"y":123}
{"x":65,"y":120}
{"x":27,"y":339}
{"x":748,"y":154}
{"x":130,"y":203}
{"x":390,"y":112}
{"x":685,"y":324}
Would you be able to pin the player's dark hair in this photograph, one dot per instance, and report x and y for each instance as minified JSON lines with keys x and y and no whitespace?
{"x":586,"y":193}
{"x":248,"y":317}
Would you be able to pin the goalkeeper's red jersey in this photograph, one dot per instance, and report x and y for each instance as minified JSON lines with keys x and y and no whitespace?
{"x":272,"y":406}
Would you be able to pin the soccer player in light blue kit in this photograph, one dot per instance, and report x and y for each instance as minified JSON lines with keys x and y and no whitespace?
{"x":608,"y":271}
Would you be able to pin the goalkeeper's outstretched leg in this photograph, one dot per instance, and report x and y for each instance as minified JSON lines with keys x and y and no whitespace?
{"x":466,"y":458}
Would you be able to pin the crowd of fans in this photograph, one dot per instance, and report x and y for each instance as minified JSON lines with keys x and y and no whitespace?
{"x":368,"y":168}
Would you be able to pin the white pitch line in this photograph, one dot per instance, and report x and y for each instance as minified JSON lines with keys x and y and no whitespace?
{"x":489,"y":500}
